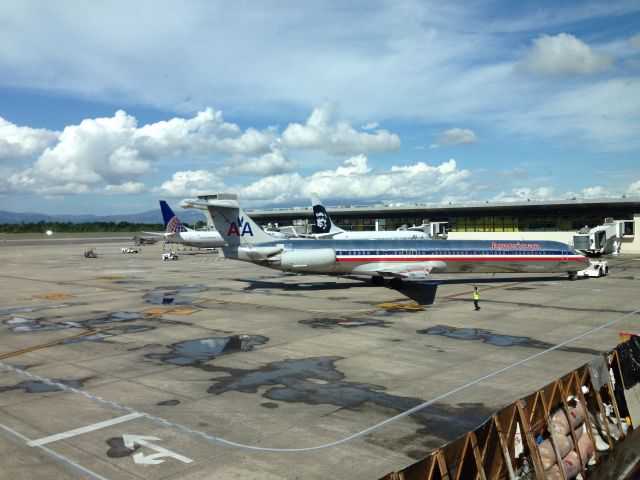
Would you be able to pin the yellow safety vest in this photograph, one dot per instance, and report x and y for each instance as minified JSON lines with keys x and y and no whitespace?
{"x":476,"y":296}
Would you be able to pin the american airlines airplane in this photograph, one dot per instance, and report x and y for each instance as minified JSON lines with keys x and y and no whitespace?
{"x":325,"y":228}
{"x":396,"y":259}
{"x":177,"y":232}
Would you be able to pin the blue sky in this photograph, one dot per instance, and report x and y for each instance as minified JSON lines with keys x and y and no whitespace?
{"x":107,"y":107}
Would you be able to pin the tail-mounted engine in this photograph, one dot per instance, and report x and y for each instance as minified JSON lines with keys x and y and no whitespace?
{"x":317,"y":260}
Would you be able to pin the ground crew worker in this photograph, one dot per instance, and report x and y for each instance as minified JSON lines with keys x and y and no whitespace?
{"x":476,"y":297}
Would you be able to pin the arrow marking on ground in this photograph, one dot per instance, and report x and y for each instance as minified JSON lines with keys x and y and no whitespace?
{"x":130,"y":442}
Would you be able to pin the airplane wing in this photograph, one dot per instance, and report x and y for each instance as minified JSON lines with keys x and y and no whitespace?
{"x":289,"y":231}
{"x":166,"y":235}
{"x":403,"y":271}
{"x":325,"y":236}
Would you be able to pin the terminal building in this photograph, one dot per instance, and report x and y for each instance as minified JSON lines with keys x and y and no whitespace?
{"x":542,"y":220}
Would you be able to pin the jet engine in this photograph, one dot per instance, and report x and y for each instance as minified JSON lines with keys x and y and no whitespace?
{"x":308,"y":260}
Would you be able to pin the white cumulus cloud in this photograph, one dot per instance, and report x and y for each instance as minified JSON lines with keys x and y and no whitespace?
{"x":564,"y":54}
{"x":191,"y":182}
{"x":336,"y":138}
{"x":524,"y":194}
{"x":634,"y":188}
{"x":97,"y":150}
{"x":128,"y":188}
{"x":114,"y":152}
{"x":18,"y":141}
{"x":591,"y":192}
{"x":271,"y":163}
{"x":356,"y":179}
{"x":456,"y":136}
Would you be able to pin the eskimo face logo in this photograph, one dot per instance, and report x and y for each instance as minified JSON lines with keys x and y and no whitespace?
{"x":321,"y":220}
{"x":240,"y":228}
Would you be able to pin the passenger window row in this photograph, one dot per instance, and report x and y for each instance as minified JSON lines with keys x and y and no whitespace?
{"x":448,"y":252}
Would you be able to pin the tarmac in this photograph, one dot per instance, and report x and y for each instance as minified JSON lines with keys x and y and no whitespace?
{"x":126,"y":366}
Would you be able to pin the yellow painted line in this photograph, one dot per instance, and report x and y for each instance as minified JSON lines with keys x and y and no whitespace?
{"x":50,"y":344}
{"x":410,"y":306}
{"x":183,"y":311}
{"x":47,"y":296}
{"x":53,"y":296}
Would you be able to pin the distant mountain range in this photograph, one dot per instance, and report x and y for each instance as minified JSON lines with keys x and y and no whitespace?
{"x":151,"y":216}
{"x":189,"y":216}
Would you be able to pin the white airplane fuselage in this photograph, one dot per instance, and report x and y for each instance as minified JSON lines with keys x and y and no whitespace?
{"x":195,"y":238}
{"x":378,"y":235}
{"x":412,"y":258}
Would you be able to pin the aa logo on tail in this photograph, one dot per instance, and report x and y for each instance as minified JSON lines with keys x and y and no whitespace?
{"x":240,"y":228}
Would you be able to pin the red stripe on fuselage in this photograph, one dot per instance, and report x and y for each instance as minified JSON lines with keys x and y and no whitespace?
{"x":493,"y":258}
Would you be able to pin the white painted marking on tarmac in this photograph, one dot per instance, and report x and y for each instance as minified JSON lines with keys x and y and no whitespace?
{"x":57,"y":456}
{"x":130,"y":441}
{"x":79,"y":431}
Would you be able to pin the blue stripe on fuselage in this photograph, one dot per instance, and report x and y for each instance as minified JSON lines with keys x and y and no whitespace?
{"x":436,"y":246}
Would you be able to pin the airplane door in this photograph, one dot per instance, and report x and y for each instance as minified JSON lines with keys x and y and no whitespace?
{"x":564,"y":256}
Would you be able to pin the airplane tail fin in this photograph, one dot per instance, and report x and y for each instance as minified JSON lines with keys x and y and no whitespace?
{"x":324,"y":225}
{"x":233,"y":224}
{"x":172,"y":224}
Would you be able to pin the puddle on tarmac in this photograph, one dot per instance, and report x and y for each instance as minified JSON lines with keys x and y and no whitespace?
{"x":96,"y":337}
{"x":159,"y":298}
{"x":269,"y":405}
{"x":36,"y":386}
{"x":487,"y":336}
{"x":173,"y":294}
{"x":26,"y":325}
{"x":13,"y":311}
{"x":168,"y":403}
{"x":316,"y":381}
{"x":17,"y":321}
{"x":344,"y":322}
{"x":194,"y":352}
{"x":182,"y":290}
{"x":117,"y":448}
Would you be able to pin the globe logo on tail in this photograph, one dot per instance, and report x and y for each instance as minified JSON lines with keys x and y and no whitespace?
{"x":175,"y":226}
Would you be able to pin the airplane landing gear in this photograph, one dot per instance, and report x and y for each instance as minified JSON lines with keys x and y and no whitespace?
{"x":573,"y":276}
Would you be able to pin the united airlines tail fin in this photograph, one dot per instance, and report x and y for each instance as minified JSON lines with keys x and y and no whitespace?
{"x":235,"y":226}
{"x":172,"y":224}
{"x":324,"y":225}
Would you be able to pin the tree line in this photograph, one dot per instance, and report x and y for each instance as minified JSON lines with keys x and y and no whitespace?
{"x":69,"y":227}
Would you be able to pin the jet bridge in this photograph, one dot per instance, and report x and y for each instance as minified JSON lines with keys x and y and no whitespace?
{"x":604,"y":239}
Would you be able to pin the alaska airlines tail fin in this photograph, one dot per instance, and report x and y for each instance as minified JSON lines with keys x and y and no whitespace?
{"x":235,"y":226}
{"x":172,"y":224}
{"x":324,"y":225}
